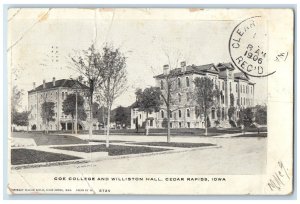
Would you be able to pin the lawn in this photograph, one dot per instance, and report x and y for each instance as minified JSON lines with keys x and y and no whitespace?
{"x":253,"y":135}
{"x":175,"y":144}
{"x":29,"y":156}
{"x":178,"y":131}
{"x":115,"y":141}
{"x":113,"y":150}
{"x":49,"y":139}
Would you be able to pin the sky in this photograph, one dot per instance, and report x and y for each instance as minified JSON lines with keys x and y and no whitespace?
{"x":146,"y":37}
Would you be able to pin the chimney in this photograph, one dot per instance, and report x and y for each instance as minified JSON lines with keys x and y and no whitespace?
{"x":183,"y":66}
{"x":33,"y":85}
{"x":53,"y":80}
{"x":166,"y":69}
{"x":44,"y":83}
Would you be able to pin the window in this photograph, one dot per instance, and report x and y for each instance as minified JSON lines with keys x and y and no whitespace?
{"x":179,"y":113}
{"x":188,"y":124}
{"x":179,"y":97}
{"x":140,"y":116}
{"x":188,"y":112}
{"x":151,"y":123}
{"x":162,"y":114}
{"x":161,"y":85}
{"x":170,"y":125}
{"x":179,"y":124}
{"x":187,"y":81}
{"x":178,"y":82}
{"x":187,"y":96}
{"x":170,"y":114}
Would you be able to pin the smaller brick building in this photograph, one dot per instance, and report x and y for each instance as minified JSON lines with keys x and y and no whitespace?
{"x":55,"y":91}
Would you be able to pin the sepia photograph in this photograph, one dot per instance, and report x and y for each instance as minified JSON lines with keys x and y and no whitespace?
{"x":150,"y":101}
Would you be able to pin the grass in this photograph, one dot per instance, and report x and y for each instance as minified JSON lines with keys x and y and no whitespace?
{"x":175,"y":144}
{"x":113,"y":150}
{"x":29,"y":156}
{"x":49,"y":139}
{"x":111,"y":141}
{"x":253,"y":135}
{"x":176,"y":131}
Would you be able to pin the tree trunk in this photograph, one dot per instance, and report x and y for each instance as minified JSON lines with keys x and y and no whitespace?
{"x":91,"y":118}
{"x":205,"y":123}
{"x":107,"y":127}
{"x":72,"y":126}
{"x":47,"y":127}
{"x":146,"y":125}
{"x":168,"y":125}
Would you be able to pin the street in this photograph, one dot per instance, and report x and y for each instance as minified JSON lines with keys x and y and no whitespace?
{"x":236,"y":155}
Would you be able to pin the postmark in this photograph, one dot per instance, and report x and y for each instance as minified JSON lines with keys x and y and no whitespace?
{"x":248,"y":47}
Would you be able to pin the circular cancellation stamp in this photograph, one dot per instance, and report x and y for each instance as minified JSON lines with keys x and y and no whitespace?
{"x":248,"y":47}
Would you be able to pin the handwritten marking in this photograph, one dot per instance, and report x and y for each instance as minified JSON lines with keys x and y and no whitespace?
{"x":277,"y":182}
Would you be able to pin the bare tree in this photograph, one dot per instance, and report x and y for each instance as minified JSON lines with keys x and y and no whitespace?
{"x":113,"y":63}
{"x":171,"y":86}
{"x":88,"y":64}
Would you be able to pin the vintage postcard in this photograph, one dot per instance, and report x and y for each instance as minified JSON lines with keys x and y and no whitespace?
{"x":155,"y":101}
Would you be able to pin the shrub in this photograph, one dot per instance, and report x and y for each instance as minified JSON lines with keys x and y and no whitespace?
{"x":232,"y":123}
{"x":33,"y":127}
{"x":217,"y":123}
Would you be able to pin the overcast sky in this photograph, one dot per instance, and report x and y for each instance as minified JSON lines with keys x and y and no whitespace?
{"x":143,"y":35}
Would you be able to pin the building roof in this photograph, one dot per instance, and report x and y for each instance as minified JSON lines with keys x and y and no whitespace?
{"x":219,"y":69}
{"x":201,"y":69}
{"x":66,"y":83}
{"x":224,"y":66}
{"x":241,"y":75}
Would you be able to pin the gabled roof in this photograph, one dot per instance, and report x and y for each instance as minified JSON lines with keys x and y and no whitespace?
{"x":67,"y":83}
{"x":219,"y":69}
{"x":241,"y":75}
{"x":224,"y":66}
{"x":201,"y":69}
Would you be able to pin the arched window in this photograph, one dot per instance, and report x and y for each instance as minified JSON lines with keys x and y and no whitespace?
{"x":161,"y":85}
{"x":162,"y":114}
{"x":188,"y":112}
{"x":187,"y":81}
{"x":178,"y":82}
{"x":179,"y":113}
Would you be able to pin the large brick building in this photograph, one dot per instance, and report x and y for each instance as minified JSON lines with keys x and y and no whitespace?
{"x":55,"y":91}
{"x":184,"y":111}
